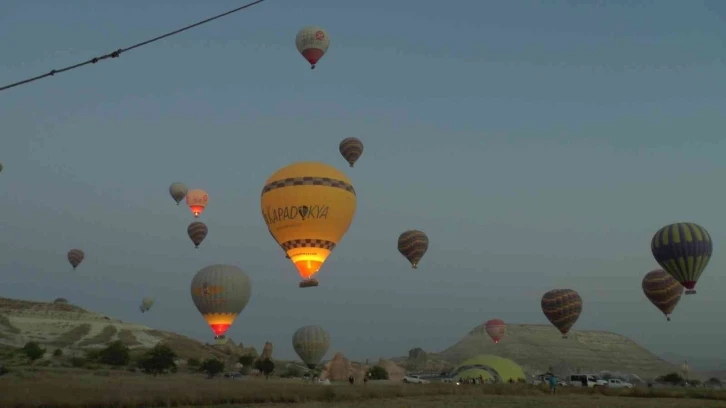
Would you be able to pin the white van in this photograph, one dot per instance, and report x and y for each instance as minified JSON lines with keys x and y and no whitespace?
{"x":588,"y":380}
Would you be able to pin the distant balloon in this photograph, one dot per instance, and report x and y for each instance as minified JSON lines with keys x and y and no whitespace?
{"x":562,"y":307}
{"x":662,"y":290}
{"x":1,"y":167}
{"x":311,"y":343}
{"x":496,"y":329}
{"x":683,"y":249}
{"x":75,"y":257}
{"x":146,"y":304}
{"x":197,"y":231}
{"x":197,"y":201}
{"x":308,"y":207}
{"x":351,"y":149}
{"x":312,"y":42}
{"x":413,"y":244}
{"x":220,"y":293}
{"x":178,"y":191}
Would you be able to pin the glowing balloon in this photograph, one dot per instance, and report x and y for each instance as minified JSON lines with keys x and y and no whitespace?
{"x":75,"y":257}
{"x":308,"y":207}
{"x":178,"y":191}
{"x":146,"y":304}
{"x":662,"y":290}
{"x":495,"y":329}
{"x":220,"y":293}
{"x":351,"y":149}
{"x":413,"y":244}
{"x":311,"y":343}
{"x":312,"y":43}
{"x":197,"y":231}
{"x":197,"y":201}
{"x":562,"y":308}
{"x":683,"y":249}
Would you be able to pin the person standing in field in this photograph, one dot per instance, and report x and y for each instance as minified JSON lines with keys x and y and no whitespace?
{"x":553,"y":384}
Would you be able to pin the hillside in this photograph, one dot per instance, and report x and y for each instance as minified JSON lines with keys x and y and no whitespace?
{"x":60,"y":325}
{"x":539,"y":347}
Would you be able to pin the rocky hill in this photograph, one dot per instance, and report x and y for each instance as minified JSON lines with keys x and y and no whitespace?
{"x":60,"y":325}
{"x":539,"y":347}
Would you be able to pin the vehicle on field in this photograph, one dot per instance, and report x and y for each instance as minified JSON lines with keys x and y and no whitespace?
{"x":587,"y":380}
{"x":618,"y":383}
{"x":414,"y":379}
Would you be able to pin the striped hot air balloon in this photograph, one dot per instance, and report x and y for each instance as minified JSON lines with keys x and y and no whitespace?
{"x":662,"y":290}
{"x":683,"y":250}
{"x":312,"y":43}
{"x":562,"y":307}
{"x":197,"y":231}
{"x":311,"y":343}
{"x":351,"y":149}
{"x":495,"y":329}
{"x":413,"y":244}
{"x":220,"y":293}
{"x":75,"y":257}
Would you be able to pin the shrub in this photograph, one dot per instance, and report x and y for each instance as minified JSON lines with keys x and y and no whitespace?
{"x":266,"y":367}
{"x":292,"y":372}
{"x":57,"y":352}
{"x":193,"y":362}
{"x":33,"y":351}
{"x":158,"y":359}
{"x":115,"y":354}
{"x":212,"y":367}
{"x":78,"y":362}
{"x":378,"y":373}
{"x":246,"y":360}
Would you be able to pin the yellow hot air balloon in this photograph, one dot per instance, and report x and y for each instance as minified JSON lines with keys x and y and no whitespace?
{"x":308,"y":207}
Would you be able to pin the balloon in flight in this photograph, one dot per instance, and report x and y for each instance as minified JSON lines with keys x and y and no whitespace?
{"x":562,"y":307}
{"x":75,"y":257}
{"x":662,"y":290}
{"x":1,"y":167}
{"x":683,"y":250}
{"x":413,"y":244}
{"x":146,"y":304}
{"x":283,"y":249}
{"x":312,"y":43}
{"x":197,"y":231}
{"x":197,"y":201}
{"x":311,"y":343}
{"x":351,"y":149}
{"x":496,"y":329}
{"x":178,"y":191}
{"x":308,"y":207}
{"x":220,"y":293}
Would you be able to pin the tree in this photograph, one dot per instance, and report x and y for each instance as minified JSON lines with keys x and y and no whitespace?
{"x":115,"y":354}
{"x":57,"y":352}
{"x":194,"y":362}
{"x":212,"y":367}
{"x":713,"y":382}
{"x":672,"y":378}
{"x":33,"y":350}
{"x":247,"y":360}
{"x":158,"y":359}
{"x":378,"y":373}
{"x":292,"y":371}
{"x":266,"y":367}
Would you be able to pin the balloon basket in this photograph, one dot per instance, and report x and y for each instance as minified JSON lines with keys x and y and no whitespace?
{"x":309,"y":283}
{"x":690,"y":291}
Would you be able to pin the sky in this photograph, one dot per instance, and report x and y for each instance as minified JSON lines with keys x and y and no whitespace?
{"x":539,"y":144}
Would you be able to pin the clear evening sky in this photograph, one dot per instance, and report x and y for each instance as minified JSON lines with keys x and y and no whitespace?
{"x":540,"y":144}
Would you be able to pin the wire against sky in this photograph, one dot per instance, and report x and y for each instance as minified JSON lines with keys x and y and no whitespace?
{"x":117,"y":53}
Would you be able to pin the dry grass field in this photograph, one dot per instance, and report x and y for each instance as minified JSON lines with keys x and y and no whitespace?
{"x":35,"y":388}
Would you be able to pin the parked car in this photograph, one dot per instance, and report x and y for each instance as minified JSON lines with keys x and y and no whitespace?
{"x":592,"y":380}
{"x":616,"y":383}
{"x":232,"y":375}
{"x":415,"y":379}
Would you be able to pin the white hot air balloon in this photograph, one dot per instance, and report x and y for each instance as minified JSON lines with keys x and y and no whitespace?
{"x":312,"y":43}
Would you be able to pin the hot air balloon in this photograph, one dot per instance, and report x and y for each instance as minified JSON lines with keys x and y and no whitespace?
{"x":683,"y":249}
{"x":178,"y":191}
{"x":75,"y":257}
{"x":220,"y":292}
{"x":413,"y":244}
{"x":351,"y":149}
{"x":312,"y":42}
{"x":562,"y":308}
{"x":197,"y":201}
{"x":146,"y":304}
{"x":283,"y":248}
{"x":662,"y":290}
{"x":311,"y":343}
{"x":308,"y":207}
{"x":1,"y":167}
{"x":495,"y":329}
{"x":197,"y":231}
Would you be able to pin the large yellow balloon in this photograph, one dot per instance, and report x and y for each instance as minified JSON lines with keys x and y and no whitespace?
{"x":308,"y":207}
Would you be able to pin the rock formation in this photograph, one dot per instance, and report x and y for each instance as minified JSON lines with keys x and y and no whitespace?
{"x":417,"y":358}
{"x":337,"y":369}
{"x":266,"y":351}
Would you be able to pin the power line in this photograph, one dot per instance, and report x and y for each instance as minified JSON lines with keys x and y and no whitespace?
{"x":117,"y":53}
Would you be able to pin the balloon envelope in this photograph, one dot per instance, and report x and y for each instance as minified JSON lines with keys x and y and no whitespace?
{"x":146,"y":304}
{"x":662,"y":290}
{"x":197,"y":231}
{"x":220,"y":293}
{"x":197,"y":201}
{"x":311,"y":343}
{"x":178,"y":191}
{"x":413,"y":244}
{"x":351,"y":149}
{"x":308,"y":207}
{"x":496,"y":329}
{"x":562,"y":307}
{"x":312,"y":43}
{"x":75,"y":257}
{"x":683,"y":250}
